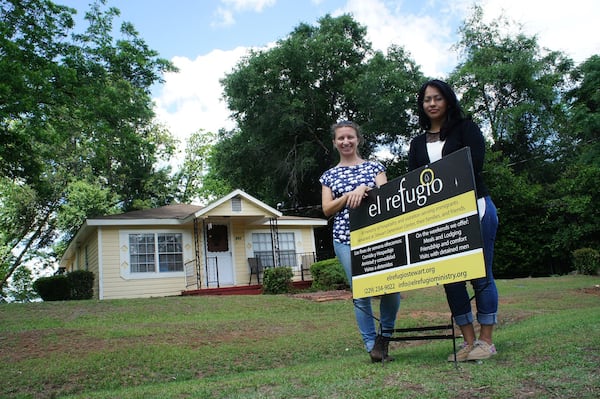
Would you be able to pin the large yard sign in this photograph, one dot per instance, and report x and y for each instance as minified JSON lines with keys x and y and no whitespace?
{"x":419,"y":230}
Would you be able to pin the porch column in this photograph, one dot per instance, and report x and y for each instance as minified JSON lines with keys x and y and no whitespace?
{"x":197,"y":252}
{"x":274,"y":240}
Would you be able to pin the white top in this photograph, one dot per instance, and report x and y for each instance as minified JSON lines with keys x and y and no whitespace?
{"x":434,"y":150}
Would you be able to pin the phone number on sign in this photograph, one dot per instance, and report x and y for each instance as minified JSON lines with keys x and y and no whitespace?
{"x":380,"y":289}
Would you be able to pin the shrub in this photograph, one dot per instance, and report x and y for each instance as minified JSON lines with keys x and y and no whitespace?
{"x":328,"y":275}
{"x":586,"y":261}
{"x":54,"y":288}
{"x":78,"y":284}
{"x":81,"y":283}
{"x":277,"y":280}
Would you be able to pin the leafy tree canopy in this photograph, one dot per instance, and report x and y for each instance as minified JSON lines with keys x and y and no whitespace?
{"x":539,"y":111}
{"x":540,"y":114}
{"x":514,"y":89}
{"x":76,"y":121}
{"x":285,"y":99}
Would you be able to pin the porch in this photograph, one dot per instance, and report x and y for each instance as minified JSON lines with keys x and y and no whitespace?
{"x":205,"y":281}
{"x":254,"y":289}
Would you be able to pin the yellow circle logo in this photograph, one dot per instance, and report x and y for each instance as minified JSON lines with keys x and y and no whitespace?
{"x":426,"y":177}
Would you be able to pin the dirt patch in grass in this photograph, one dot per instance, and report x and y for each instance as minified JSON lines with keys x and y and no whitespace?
{"x":37,"y":344}
{"x":74,"y":343}
{"x":40,"y":343}
{"x":322,"y":296}
{"x":595,"y":290}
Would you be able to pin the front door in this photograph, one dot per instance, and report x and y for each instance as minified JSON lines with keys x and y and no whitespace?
{"x":219,"y":262}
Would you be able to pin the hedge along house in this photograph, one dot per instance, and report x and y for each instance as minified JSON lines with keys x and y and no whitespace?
{"x":175,"y":249}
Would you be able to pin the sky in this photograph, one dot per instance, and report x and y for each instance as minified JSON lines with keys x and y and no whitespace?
{"x":205,"y":39}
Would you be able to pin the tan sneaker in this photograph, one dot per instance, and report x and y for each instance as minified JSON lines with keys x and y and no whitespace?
{"x":462,"y":354}
{"x":481,"y":350}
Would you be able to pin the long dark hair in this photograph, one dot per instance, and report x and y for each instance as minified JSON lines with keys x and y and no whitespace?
{"x":454,"y":112}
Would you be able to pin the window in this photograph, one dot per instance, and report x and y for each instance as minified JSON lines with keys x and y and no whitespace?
{"x":217,"y":240}
{"x":287,"y":249}
{"x":262,"y":246}
{"x":141,"y":253}
{"x":146,"y":248}
{"x":170,"y":253}
{"x":236,"y":204}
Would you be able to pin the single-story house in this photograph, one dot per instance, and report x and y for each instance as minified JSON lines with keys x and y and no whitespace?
{"x":177,"y":248}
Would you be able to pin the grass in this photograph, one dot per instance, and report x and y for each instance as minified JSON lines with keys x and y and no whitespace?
{"x":285,"y":347}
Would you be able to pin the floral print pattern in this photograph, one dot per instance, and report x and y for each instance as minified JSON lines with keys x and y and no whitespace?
{"x":343,"y":179}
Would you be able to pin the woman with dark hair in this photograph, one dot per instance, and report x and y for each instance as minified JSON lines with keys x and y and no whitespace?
{"x":446,"y":129}
{"x":343,"y":187}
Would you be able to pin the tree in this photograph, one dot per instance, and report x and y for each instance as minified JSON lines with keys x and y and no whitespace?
{"x":22,"y":286}
{"x":541,"y":169}
{"x":519,"y":242}
{"x":192,"y":179}
{"x":515,"y":89}
{"x":584,"y":100}
{"x":83,"y":200}
{"x":75,"y":114}
{"x":385,"y":100}
{"x":18,"y":215}
{"x":285,"y":99}
{"x":572,"y":213}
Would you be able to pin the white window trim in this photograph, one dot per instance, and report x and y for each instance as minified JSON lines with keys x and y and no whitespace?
{"x":124,"y":260}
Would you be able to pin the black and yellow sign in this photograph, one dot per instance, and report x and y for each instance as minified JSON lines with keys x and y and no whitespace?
{"x":419,"y":230}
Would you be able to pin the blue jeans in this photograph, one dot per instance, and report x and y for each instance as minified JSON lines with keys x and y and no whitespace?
{"x":388,"y":306}
{"x":486,"y":294}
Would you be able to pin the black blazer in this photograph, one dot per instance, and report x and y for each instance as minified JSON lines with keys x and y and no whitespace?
{"x":463,"y":134}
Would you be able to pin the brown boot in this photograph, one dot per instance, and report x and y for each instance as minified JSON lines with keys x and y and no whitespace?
{"x":380,"y":350}
{"x":377,"y":351}
{"x":386,"y":346}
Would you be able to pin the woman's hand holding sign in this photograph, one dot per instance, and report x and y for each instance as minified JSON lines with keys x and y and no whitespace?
{"x":355,"y":197}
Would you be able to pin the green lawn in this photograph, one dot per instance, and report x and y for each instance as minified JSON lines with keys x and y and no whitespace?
{"x":280,"y":346}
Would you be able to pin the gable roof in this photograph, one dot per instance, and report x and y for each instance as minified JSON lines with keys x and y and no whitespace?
{"x":236,"y":193}
{"x":177,"y":213}
{"x":173,"y":211}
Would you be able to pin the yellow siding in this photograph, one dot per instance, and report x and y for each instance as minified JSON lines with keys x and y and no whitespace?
{"x":116,"y":286}
{"x":92,"y":262}
{"x":248,"y":209}
{"x":308,"y":240}
{"x":80,"y":262}
{"x":106,"y":253}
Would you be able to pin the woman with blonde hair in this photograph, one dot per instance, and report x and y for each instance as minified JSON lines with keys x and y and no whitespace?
{"x":343,"y":187}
